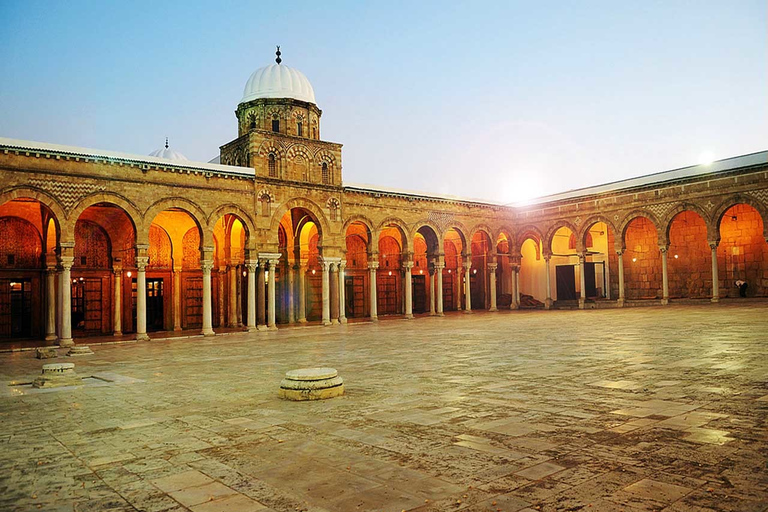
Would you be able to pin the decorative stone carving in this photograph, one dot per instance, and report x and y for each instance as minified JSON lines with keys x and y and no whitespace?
{"x":311,"y":384}
{"x":68,"y":192}
{"x":58,"y":375}
{"x":46,"y":353}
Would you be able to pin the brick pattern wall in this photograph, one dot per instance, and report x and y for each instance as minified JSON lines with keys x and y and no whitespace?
{"x":743,"y":252}
{"x":642,"y":277}
{"x":689,"y":258}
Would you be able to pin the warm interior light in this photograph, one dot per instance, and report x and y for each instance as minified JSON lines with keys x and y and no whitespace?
{"x":130,"y":273}
{"x":675,"y":256}
{"x":634,"y":259}
{"x":266,"y":274}
{"x":449,"y":271}
{"x":245,"y":273}
{"x":474,"y":271}
{"x":390,"y":272}
{"x":313,"y":271}
{"x":421,"y":271}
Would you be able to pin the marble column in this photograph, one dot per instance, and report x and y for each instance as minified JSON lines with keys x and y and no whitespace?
{"x":50,"y":303}
{"x":620,"y":301}
{"x":439,"y":294}
{"x":715,"y":277}
{"x":582,"y":281}
{"x":408,"y":284}
{"x":261,"y":303}
{"x":342,"y":293}
{"x":141,"y":298}
{"x":117,"y":316}
{"x":664,"y":276}
{"x":65,"y":339}
{"x":334,"y":292}
{"x":239,"y":302}
{"x":373,"y":266}
{"x":271,"y":325}
{"x":467,"y":285}
{"x":492,"y":274}
{"x":548,"y":269}
{"x":177,"y":299}
{"x":207,"y":266}
{"x":458,"y":287}
{"x":232,"y":295}
{"x":517,"y":286}
{"x":251,"y":265}
{"x":513,"y":302}
{"x":326,"y":294}
{"x":302,"y":294}
{"x":432,"y":298}
{"x":291,"y":295}
{"x":222,"y":277}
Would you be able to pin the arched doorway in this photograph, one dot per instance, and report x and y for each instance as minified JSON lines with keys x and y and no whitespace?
{"x":230,"y":278}
{"x":425,"y":256}
{"x":389,"y":278}
{"x":504,"y":271}
{"x":689,"y":257}
{"x":532,"y":273}
{"x":356,"y":281}
{"x":742,"y":254}
{"x":643,"y":274}
{"x":299,"y":273}
{"x":478,"y":275}
{"x":454,"y":248}
{"x":600,"y":262}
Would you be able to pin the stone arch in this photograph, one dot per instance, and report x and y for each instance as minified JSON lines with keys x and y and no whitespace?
{"x":194,"y":211}
{"x":529,"y":231}
{"x":591,"y":221}
{"x":554,"y":229}
{"x":298,"y":149}
{"x":129,"y":207}
{"x":622,"y":231}
{"x":428,"y":224}
{"x":245,"y":219}
{"x":461,"y":229}
{"x":733,"y":200}
{"x":681,"y":207}
{"x":508,"y":233}
{"x":306,"y":204}
{"x":50,"y":202}
{"x":484,"y":228}
{"x":399,"y":224}
{"x":362,"y":220}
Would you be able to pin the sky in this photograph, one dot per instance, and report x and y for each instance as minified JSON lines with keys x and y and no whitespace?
{"x":503,"y":101}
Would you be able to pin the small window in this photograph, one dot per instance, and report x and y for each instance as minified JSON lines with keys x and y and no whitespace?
{"x":83,"y":260}
{"x":276,"y":125}
{"x":314,"y":133}
{"x":272,"y":166}
{"x":253,"y":121}
{"x":326,"y":174}
{"x":11,"y":259}
{"x":300,"y":129}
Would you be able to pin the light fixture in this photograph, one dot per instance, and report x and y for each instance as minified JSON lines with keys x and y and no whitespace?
{"x":675,"y":256}
{"x":313,"y":271}
{"x":390,"y":272}
{"x":266,"y":274}
{"x":474,"y":271}
{"x":245,"y":273}
{"x":634,"y":260}
{"x":733,"y":218}
{"x":74,"y":280}
{"x":130,"y":273}
{"x":449,"y":271}
{"x":421,"y":271}
{"x":82,"y":279}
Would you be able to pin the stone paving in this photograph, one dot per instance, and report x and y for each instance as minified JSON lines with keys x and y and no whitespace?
{"x":606,"y":410}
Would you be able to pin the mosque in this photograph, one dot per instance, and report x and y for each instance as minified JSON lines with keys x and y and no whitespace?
{"x":100,"y":243}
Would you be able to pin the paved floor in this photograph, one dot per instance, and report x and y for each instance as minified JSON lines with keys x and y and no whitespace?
{"x":605,"y":410}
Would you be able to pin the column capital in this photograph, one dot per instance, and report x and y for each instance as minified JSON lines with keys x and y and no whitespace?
{"x":663,"y":249}
{"x":439,"y":265}
{"x":117,"y":270}
{"x":619,"y":252}
{"x":206,"y":265}
{"x":408,"y":265}
{"x":468,"y":261}
{"x":493,"y":266}
{"x":373,"y":265}
{"x":142,"y":262}
{"x":66,"y":262}
{"x":251,"y":264}
{"x":713,"y":244}
{"x":342,"y":264}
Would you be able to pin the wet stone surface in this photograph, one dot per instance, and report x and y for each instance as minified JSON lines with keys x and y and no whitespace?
{"x":603,"y":410}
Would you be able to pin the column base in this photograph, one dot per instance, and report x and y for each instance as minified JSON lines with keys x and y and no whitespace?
{"x":408,"y":317}
{"x":582,"y":303}
{"x":439,"y":313}
{"x":714,"y":299}
{"x":51,"y":337}
{"x":302,"y":320}
{"x":619,"y":303}
{"x":513,"y":307}
{"x":548,"y":303}
{"x":664,"y":302}
{"x":177,"y":329}
{"x":335,"y":321}
{"x":117,"y":333}
{"x":493,"y":309}
{"x":272,"y":328}
{"x":343,"y":320}
{"x":251,"y":328}
{"x":141,"y":337}
{"x":468,"y":311}
{"x":326,"y":322}
{"x":66,"y":342}
{"x":208,"y":333}
{"x":374,"y":319}
{"x":262,"y":327}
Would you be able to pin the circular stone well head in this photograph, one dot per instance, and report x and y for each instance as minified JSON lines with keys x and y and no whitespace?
{"x":311,"y":384}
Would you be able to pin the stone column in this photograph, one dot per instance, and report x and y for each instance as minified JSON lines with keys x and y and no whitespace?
{"x":50,"y":303}
{"x":65,"y":340}
{"x":439,"y":297}
{"x":492,"y":274}
{"x":239,"y":301}
{"x":326,"y":293}
{"x":271,"y":325}
{"x":261,"y":303}
{"x":408,"y":283}
{"x":432,"y":298}
{"x":458,"y":286}
{"x":715,"y":277}
{"x":251,"y":265}
{"x":177,"y":299}
{"x":467,"y":287}
{"x":342,"y":293}
{"x":582,"y":281}
{"x":620,"y":301}
{"x":548,"y":269}
{"x":514,"y":302}
{"x":291,"y":295}
{"x":117,"y":317}
{"x":141,"y":297}
{"x":207,"y":266}
{"x":232,"y":295}
{"x":372,"y":268}
{"x":222,"y":273}
{"x":517,"y":285}
{"x":333,"y":286}
{"x":302,"y":293}
{"x":664,"y":276}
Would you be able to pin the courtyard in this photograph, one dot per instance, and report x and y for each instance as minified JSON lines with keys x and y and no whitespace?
{"x":604,"y":410}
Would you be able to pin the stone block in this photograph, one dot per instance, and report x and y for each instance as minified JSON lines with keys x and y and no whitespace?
{"x":311,"y":384}
{"x":80,"y":350}
{"x":58,"y":375}
{"x":46,"y":353}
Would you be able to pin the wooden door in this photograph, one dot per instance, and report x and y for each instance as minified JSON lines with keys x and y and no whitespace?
{"x":419,"y":293}
{"x":566,"y":282}
{"x":386,"y":294}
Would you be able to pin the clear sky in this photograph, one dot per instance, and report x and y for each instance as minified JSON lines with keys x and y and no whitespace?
{"x":497,"y":100}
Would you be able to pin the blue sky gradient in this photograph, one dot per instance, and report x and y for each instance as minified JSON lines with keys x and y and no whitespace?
{"x":497,"y":100}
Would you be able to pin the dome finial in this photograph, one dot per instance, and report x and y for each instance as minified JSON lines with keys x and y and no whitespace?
{"x":166,"y":143}
{"x":278,"y":59}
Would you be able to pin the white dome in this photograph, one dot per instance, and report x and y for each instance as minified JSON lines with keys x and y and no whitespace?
{"x":169,"y":154}
{"x":278,"y":81}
